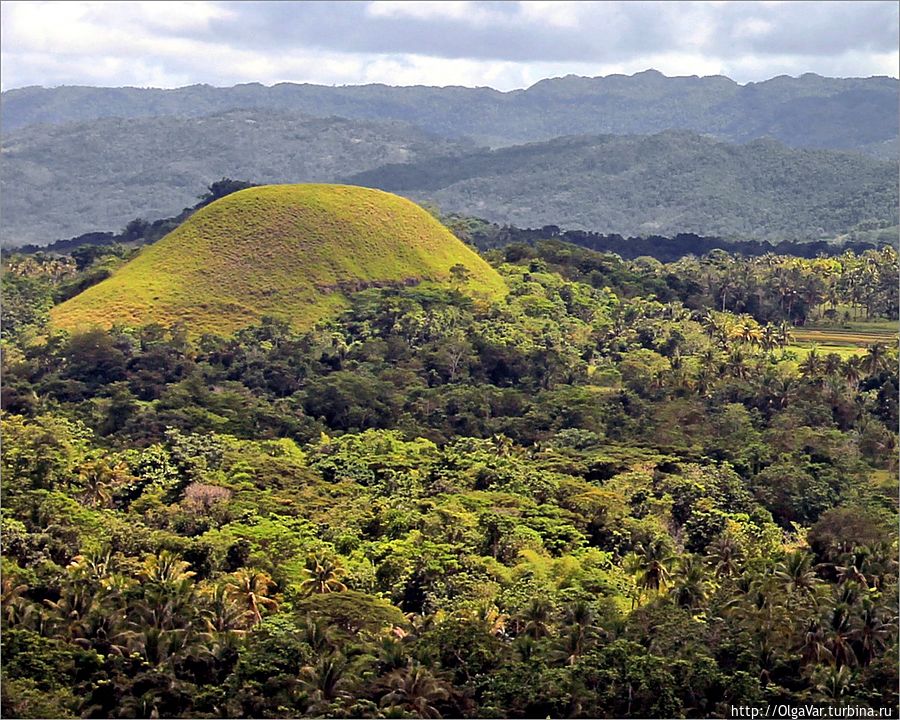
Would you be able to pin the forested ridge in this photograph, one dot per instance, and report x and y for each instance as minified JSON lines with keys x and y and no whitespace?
{"x":672,"y":182}
{"x":806,"y":111}
{"x":626,"y":489}
{"x":785,"y":159}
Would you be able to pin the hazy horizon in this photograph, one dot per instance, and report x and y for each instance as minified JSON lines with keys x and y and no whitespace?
{"x":469,"y":87}
{"x":501,"y":45}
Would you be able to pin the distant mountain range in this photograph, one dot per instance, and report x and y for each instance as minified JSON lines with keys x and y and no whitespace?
{"x":809,"y":111}
{"x":78,"y":159}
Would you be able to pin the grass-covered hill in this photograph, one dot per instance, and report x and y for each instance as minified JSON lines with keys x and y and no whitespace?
{"x":667,"y":183}
{"x":289,"y":251}
{"x":58,"y":182}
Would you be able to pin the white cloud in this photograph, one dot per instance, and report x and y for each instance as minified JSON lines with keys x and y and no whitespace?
{"x":460,"y":10}
{"x":557,"y":13}
{"x":508,"y":45}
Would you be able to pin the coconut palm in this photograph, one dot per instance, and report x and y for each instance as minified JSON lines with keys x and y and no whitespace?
{"x":796,"y":574}
{"x":690,"y":586}
{"x":326,"y":681}
{"x":736,"y":364}
{"x":871,"y":629}
{"x":783,"y":391}
{"x":768,"y":338}
{"x":323,"y":575}
{"x":535,"y":620}
{"x":12,"y":599}
{"x":725,"y":555}
{"x":748,"y":333}
{"x":839,"y":635}
{"x":811,"y":366}
{"x":490,"y":617}
{"x":251,"y":589}
{"x":93,"y":566}
{"x":652,"y":562}
{"x":221,"y":614}
{"x":834,"y":683}
{"x":832,"y":364}
{"x":415,"y":690}
{"x":852,"y":370}
{"x":785,"y":333}
{"x":813,"y":649}
{"x":875,"y":360}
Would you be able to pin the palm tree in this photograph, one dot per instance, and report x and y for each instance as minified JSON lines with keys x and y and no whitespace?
{"x":785,"y":333}
{"x":796,"y":574}
{"x":832,"y":364}
{"x":169,"y":594}
{"x":768,"y":338}
{"x":165,"y":568}
{"x":536,"y":618}
{"x":689,"y":589}
{"x":852,"y":370}
{"x":93,"y":566}
{"x":811,"y":366}
{"x":570,"y":647}
{"x":737,"y":364}
{"x":221,"y":613}
{"x":250,"y":589}
{"x":839,"y":633}
{"x":490,"y":617}
{"x":870,"y":632}
{"x":324,"y":575}
{"x":813,"y":649}
{"x":581,"y":630}
{"x":326,"y":681}
{"x":98,"y":479}
{"x":11,"y":599}
{"x":725,"y":555}
{"x":875,"y":360}
{"x":834,"y":682}
{"x":652,"y":562}
{"x":783,"y":391}
{"x":415,"y":690}
{"x":748,"y":333}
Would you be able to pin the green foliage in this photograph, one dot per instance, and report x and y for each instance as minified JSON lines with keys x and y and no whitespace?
{"x":587,"y":498}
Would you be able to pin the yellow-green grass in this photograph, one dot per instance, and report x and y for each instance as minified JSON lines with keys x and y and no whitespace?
{"x":849,"y":339}
{"x":289,"y":251}
{"x":845,"y":351}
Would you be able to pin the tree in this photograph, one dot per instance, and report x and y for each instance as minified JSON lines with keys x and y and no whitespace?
{"x":690,"y":587}
{"x":796,"y":574}
{"x":323,"y":574}
{"x":415,"y":690}
{"x":250,"y":589}
{"x":652,"y":563}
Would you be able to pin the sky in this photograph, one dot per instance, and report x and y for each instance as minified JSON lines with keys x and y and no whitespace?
{"x":504,"y":45}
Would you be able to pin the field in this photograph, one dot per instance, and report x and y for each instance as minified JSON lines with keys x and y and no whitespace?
{"x":289,"y":251}
{"x":845,"y":340}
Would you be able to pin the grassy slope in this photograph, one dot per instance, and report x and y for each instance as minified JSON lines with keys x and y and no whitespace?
{"x":852,"y":339}
{"x":291,"y":251}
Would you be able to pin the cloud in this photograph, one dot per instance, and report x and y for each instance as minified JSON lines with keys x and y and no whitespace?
{"x":500,"y":44}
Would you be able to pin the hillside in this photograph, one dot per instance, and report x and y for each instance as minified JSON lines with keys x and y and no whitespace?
{"x":58,"y":182}
{"x":806,"y":111}
{"x":290,"y":251}
{"x":667,"y":183}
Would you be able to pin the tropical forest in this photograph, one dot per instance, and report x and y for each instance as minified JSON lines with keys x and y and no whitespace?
{"x":581,"y":487}
{"x":463,"y":359}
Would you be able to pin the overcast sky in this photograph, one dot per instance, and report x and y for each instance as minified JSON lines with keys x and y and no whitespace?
{"x":504,"y":45}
